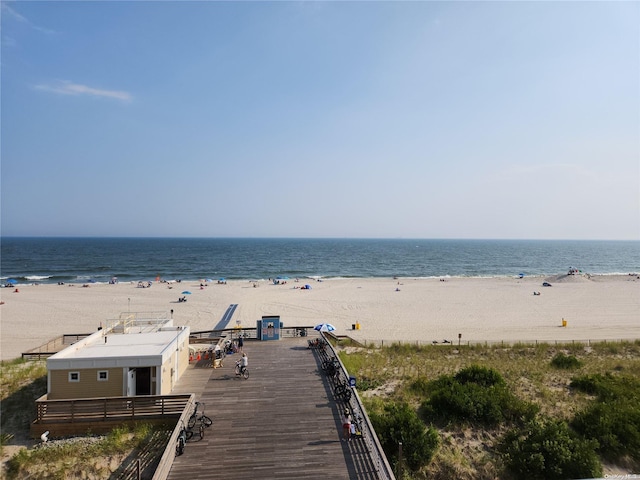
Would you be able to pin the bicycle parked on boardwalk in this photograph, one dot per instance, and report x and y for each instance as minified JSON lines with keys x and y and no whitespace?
{"x":356,"y":427}
{"x":331,"y":366}
{"x":194,"y":418}
{"x":342,"y":390}
{"x":181,"y":441}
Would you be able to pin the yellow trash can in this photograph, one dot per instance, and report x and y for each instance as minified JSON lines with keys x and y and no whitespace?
{"x":357,"y":325}
{"x":564,"y":322}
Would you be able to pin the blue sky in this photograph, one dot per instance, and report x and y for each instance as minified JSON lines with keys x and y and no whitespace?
{"x":321,"y":119}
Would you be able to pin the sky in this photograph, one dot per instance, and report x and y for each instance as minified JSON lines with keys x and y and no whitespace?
{"x":420,"y":119}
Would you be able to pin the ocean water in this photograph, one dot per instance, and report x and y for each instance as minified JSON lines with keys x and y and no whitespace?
{"x":53,"y":260}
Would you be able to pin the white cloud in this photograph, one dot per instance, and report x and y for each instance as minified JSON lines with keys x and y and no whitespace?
{"x":25,"y":20}
{"x":69,"y":88}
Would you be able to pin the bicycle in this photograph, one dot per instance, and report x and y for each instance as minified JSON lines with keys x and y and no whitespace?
{"x":204,"y":420}
{"x":242,"y":371}
{"x":201,"y":428}
{"x":343,"y":390}
{"x":356,"y":428}
{"x":331,"y":366}
{"x":182,"y":441}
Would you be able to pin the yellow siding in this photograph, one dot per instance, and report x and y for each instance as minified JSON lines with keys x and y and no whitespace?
{"x":88,"y":386}
{"x":167,"y":382}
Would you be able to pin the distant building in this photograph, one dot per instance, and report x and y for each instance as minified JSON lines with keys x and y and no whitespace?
{"x":137,"y":354}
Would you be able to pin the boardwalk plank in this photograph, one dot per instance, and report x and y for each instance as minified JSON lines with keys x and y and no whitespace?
{"x":280,"y":423}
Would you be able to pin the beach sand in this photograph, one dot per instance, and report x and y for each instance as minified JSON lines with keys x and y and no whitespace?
{"x":405,"y":309}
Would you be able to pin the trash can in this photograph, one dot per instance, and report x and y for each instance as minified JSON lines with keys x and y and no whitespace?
{"x":352,"y":381}
{"x":357,"y":325}
{"x":564,"y":322}
{"x":353,"y":326}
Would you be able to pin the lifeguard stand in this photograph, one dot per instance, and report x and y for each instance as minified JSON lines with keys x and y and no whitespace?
{"x":269,"y":328}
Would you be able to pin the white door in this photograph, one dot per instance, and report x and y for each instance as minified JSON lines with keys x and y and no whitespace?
{"x":131,"y":383}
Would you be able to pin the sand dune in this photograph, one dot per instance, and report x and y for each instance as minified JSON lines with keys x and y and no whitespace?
{"x":406,"y":309}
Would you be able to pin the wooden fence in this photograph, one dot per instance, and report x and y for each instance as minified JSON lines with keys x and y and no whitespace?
{"x":77,"y":416}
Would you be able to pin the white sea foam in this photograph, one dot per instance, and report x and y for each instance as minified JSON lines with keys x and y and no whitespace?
{"x":37,"y":278}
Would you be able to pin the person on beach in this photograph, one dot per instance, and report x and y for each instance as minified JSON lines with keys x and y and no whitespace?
{"x":346,"y":425}
{"x":240,"y":344}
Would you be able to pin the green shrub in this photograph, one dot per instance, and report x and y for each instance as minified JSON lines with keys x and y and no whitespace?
{"x":608,"y":387}
{"x":566,"y":362}
{"x":420,"y":386}
{"x":481,"y":376}
{"x":475,"y":394}
{"x":400,"y":423}
{"x":614,"y":418}
{"x":549,"y":450}
{"x":616,"y":426}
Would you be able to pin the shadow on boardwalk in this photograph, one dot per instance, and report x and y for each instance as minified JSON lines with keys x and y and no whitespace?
{"x":280,"y":423}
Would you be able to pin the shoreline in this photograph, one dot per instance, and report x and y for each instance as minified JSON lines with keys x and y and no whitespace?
{"x":35,"y":280}
{"x":403,"y":309}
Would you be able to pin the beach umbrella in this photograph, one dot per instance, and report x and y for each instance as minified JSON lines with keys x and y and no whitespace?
{"x":186,"y":292}
{"x":324,"y":327}
{"x":12,"y":281}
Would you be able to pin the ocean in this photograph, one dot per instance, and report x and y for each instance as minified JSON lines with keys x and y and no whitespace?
{"x":68,"y":260}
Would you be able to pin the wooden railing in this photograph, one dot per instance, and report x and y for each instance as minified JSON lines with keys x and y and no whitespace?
{"x":375,"y":452}
{"x":110,"y":409}
{"x":169,"y":454}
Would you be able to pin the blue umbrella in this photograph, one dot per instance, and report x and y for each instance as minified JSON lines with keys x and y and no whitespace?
{"x":12,"y":281}
{"x":324,"y":327}
{"x":186,"y":292}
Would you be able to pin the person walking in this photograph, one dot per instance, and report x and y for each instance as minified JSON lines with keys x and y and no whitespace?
{"x":240,"y":343}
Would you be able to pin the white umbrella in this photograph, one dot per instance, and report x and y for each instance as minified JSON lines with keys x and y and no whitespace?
{"x":324,"y":327}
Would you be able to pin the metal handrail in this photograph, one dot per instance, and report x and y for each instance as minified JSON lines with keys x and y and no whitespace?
{"x":374,"y":447}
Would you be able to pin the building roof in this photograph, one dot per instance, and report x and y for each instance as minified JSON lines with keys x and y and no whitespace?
{"x":105,"y":349}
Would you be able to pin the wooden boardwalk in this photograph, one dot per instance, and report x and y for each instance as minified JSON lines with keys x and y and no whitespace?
{"x":282,"y":422}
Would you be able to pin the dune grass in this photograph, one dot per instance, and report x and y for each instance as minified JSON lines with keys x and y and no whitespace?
{"x":539,"y":373}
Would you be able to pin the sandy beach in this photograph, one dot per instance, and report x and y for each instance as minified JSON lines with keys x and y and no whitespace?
{"x":403,"y":309}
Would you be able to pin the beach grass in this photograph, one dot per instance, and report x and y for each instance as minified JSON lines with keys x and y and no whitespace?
{"x":538,"y":374}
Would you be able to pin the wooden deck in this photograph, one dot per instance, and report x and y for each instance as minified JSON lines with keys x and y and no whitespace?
{"x":282,"y":422}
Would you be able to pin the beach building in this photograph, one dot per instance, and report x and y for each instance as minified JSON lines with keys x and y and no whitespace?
{"x":136,"y":354}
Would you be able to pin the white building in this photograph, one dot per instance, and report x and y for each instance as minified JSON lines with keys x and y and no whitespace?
{"x":137,"y":354}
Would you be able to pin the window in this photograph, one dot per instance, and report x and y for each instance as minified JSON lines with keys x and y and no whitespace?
{"x":74,"y":376}
{"x":103,"y":375}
